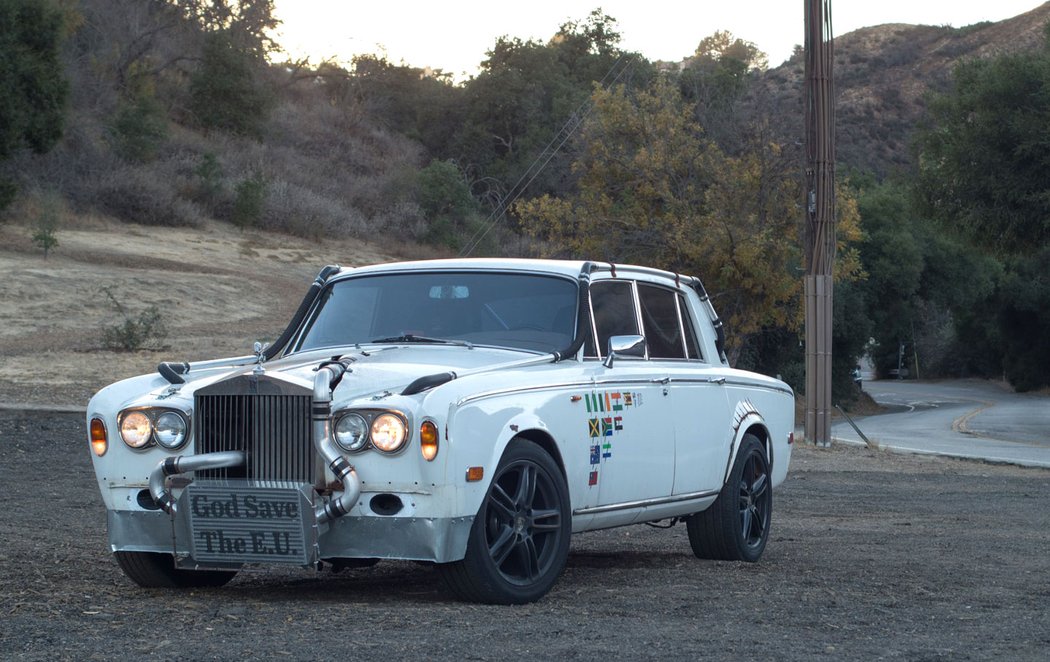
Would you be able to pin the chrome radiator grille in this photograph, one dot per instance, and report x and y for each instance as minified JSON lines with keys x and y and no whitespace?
{"x":273,"y":430}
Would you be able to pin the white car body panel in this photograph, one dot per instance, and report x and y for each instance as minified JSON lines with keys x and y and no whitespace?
{"x":644,"y":440}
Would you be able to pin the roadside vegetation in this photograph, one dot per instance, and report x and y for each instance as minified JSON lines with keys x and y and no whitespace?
{"x":181,"y":112}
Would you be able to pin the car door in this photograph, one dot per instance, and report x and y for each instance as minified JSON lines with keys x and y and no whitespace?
{"x":699,"y":401}
{"x":629,"y":422}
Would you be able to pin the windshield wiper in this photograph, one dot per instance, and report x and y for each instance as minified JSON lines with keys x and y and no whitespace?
{"x":409,"y":337}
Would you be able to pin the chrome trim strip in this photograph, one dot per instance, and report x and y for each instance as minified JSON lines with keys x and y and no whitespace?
{"x":729,"y":382}
{"x":589,"y":384}
{"x":645,"y":503}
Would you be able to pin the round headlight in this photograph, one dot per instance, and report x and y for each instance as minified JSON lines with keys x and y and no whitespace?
{"x":170,"y":429}
{"x":351,"y":432}
{"x":388,"y":433}
{"x":135,"y":429}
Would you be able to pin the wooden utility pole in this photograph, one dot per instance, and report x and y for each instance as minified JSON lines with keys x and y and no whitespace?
{"x":820,"y":217}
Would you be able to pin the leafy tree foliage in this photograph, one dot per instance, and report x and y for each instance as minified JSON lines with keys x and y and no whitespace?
{"x":420,"y":103}
{"x":716,"y":80}
{"x":985,"y":152}
{"x":226,"y":91}
{"x":447,"y":204}
{"x":141,"y":124}
{"x":1024,"y":320}
{"x":653,"y":190}
{"x":525,"y":94}
{"x":247,"y":24}
{"x":33,"y":91}
{"x":921,"y":285}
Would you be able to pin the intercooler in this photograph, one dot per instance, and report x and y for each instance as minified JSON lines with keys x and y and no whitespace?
{"x":266,"y":418}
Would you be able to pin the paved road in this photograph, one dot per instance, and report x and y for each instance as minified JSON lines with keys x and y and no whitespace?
{"x":959,"y":418}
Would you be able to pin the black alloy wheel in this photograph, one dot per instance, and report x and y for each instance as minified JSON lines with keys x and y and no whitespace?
{"x":520,"y":538}
{"x":736,"y":526}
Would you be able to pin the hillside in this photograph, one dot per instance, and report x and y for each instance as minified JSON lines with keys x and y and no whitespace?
{"x":882,"y":74}
{"x":217,"y":291}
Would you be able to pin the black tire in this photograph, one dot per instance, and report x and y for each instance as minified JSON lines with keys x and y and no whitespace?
{"x":736,"y":526}
{"x":153,"y":570}
{"x":519,"y":541}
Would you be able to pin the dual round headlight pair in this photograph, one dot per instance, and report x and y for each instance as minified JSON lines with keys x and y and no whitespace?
{"x":386,"y":432}
{"x":141,"y":427}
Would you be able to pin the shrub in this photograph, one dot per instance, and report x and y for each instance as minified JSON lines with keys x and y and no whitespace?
{"x":139,"y":128}
{"x":132,"y":333}
{"x":46,"y":219}
{"x":209,"y":178}
{"x":137,"y":196}
{"x":225,"y":91}
{"x":250,"y":195}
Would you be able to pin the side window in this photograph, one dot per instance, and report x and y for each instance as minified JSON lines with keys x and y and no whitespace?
{"x":612,"y":305}
{"x":692,"y":347}
{"x":663,"y":332}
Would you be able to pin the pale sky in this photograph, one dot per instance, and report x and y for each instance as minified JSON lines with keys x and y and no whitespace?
{"x":453,"y":35}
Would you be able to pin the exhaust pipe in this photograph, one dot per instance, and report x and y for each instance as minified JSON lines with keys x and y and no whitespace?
{"x":158,"y":478}
{"x":324,"y":381}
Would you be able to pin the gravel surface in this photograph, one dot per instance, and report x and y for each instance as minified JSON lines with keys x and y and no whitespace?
{"x":872,"y":556}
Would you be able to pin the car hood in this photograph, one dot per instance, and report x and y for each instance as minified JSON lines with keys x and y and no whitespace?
{"x":373,"y":371}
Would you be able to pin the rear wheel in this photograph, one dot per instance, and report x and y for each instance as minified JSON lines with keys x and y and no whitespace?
{"x":736,"y":526}
{"x":154,"y":570}
{"x":519,"y":541}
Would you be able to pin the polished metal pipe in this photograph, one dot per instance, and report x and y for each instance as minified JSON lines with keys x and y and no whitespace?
{"x":325,"y":445}
{"x":180,"y":464}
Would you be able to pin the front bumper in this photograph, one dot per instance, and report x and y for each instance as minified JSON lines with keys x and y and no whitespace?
{"x":438,"y":539}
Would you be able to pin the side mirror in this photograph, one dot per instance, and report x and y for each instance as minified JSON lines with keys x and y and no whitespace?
{"x":624,"y":346}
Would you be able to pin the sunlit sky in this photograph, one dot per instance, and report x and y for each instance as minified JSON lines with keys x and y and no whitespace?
{"x":453,"y":35}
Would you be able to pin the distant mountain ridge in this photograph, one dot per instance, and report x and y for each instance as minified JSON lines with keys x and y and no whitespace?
{"x":882,"y":75}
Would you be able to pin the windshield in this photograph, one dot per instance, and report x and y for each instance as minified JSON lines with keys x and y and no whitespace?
{"x":521,"y":311}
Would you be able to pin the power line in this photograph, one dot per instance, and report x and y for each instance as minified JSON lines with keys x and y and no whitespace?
{"x":620,"y":67}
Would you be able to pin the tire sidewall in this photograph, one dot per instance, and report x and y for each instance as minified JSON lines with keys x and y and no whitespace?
{"x":750,"y":446}
{"x":490,"y":580}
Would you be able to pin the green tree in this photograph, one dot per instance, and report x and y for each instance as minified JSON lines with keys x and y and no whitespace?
{"x":1024,"y":320}
{"x":249,"y":200}
{"x":33,"y":91}
{"x":447,"y":204}
{"x":140,"y":126}
{"x":421,"y":103}
{"x":226,"y":90}
{"x":985,"y":151}
{"x":526,"y":94}
{"x":50,"y":210}
{"x":653,"y":190}
{"x":921,"y":285}
{"x":716,"y":79}
{"x":247,"y":24}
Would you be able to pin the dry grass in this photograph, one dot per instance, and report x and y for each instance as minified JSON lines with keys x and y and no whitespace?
{"x":218,"y":290}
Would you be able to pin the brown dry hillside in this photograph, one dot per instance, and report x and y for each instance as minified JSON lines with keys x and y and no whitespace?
{"x":217,"y":290}
{"x":882,"y":75}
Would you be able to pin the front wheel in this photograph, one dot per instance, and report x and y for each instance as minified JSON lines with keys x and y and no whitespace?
{"x":736,"y":526}
{"x":154,"y":570}
{"x":519,"y":541}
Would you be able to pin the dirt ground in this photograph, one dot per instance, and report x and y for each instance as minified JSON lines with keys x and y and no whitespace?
{"x":217,"y":289}
{"x":872,"y":556}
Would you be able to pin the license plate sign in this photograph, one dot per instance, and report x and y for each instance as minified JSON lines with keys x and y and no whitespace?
{"x":231,"y":523}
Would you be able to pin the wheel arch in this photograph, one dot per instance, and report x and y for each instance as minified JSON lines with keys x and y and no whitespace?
{"x":755,"y":425}
{"x":544,"y":440}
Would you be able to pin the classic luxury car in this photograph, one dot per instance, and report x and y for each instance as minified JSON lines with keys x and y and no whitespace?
{"x":467,"y":413}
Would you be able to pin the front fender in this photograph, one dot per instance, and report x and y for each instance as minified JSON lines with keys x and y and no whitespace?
{"x":478,"y":436}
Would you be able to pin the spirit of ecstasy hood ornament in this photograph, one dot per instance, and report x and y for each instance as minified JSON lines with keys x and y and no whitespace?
{"x":259,"y":348}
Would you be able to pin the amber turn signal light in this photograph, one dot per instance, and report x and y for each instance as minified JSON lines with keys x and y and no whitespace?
{"x":428,"y":440}
{"x":474,"y":474}
{"x":99,"y":443}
